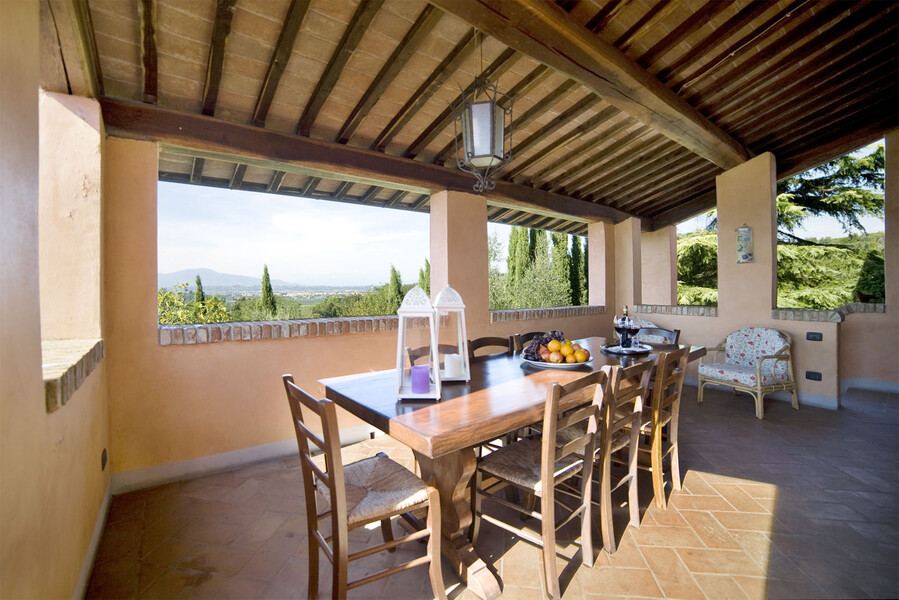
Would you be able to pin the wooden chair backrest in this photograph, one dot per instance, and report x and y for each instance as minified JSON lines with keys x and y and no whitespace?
{"x":624,"y":400}
{"x":506,"y":343}
{"x":417,"y":353}
{"x":324,"y":412}
{"x":671,"y":336}
{"x":522,"y":339}
{"x":669,"y":381}
{"x":582,"y":399}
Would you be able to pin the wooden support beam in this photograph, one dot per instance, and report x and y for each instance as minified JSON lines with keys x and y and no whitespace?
{"x":274,"y":185}
{"x":280,"y":57}
{"x":309,"y":188}
{"x":369,"y":194}
{"x":221,"y":29}
{"x":403,"y":52}
{"x":422,"y":200}
{"x":696,"y":20}
{"x":498,"y":66}
{"x":396,"y":198}
{"x":543,"y":31}
{"x":236,"y":181}
{"x":608,"y":12}
{"x":351,"y":37}
{"x":594,"y":167}
{"x":89,"y":46}
{"x":424,"y":92}
{"x":659,"y":10}
{"x":342,"y":188}
{"x":702,"y":202}
{"x":146,"y":10}
{"x":245,"y":144}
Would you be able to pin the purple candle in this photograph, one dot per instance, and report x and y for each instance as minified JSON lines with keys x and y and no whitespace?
{"x":421,"y":379}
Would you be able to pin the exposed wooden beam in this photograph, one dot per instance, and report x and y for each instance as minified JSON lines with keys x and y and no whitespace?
{"x":499,"y":65}
{"x":592,"y":166}
{"x":605,"y":14}
{"x":221,"y":29}
{"x":369,"y":194}
{"x":396,"y":198}
{"x":236,"y":181}
{"x":548,"y":34}
{"x":422,"y":200}
{"x":274,"y":185}
{"x":351,"y":37}
{"x":836,"y":147}
{"x":403,"y":52}
{"x":342,"y":188}
{"x":310,"y":186}
{"x":704,"y":201}
{"x":147,"y":12}
{"x":214,"y":138}
{"x":696,"y":20}
{"x":447,"y":67}
{"x":280,"y":57}
{"x":659,"y":11}
{"x":88,"y":46}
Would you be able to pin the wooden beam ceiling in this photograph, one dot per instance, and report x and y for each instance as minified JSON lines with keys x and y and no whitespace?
{"x":546,"y":33}
{"x":280,"y":57}
{"x":215,"y":138}
{"x":148,"y":50}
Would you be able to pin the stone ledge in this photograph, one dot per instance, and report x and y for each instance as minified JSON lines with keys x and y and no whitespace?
{"x":66,"y":364}
{"x":212,"y":333}
{"x":837,"y":315}
{"x":664,"y":309}
{"x":529,"y":314}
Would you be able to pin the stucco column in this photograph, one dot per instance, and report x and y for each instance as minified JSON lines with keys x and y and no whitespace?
{"x":601,"y":263}
{"x":746,"y":197}
{"x":459,"y":253}
{"x":628,"y":264}
{"x":659,"y":266}
{"x":891,"y":219}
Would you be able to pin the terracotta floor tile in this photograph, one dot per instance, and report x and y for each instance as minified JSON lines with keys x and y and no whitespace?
{"x":171,"y":583}
{"x":226,"y":560}
{"x":712,"y":533}
{"x":671,"y":575}
{"x":740,"y":500}
{"x":720,"y":586}
{"x":216,"y":586}
{"x":744,"y":521}
{"x":702,"y":503}
{"x":671,"y":537}
{"x":722,"y":562}
{"x":670,"y":517}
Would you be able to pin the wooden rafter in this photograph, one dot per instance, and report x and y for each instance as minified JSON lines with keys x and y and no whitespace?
{"x":309,"y":187}
{"x":696,"y":20}
{"x":549,"y":35}
{"x":280,"y":57}
{"x":215,"y":138}
{"x":351,"y":37}
{"x":592,"y":166}
{"x":700,"y":203}
{"x":236,"y":181}
{"x":498,"y":66}
{"x":396,"y":198}
{"x":424,"y":92}
{"x":148,"y":50}
{"x":605,"y":14}
{"x":403,"y":52}
{"x":659,"y":11}
{"x":221,"y":29}
{"x":274,"y":185}
{"x":89,"y":46}
{"x":370,"y":194}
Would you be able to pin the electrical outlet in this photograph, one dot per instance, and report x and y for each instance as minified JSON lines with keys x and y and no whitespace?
{"x":813,"y":375}
{"x":814,"y":336}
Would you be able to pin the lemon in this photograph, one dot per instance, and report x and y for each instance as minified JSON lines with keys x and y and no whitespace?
{"x":553,"y":346}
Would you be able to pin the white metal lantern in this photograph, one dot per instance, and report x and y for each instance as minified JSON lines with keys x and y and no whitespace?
{"x":417,"y":332}
{"x":481,"y":113}
{"x":452,"y":341}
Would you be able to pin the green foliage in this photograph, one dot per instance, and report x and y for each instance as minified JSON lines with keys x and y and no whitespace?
{"x":870,"y":286}
{"x":424,"y":277}
{"x":585,"y":294}
{"x":690,"y":295}
{"x":518,"y":257}
{"x":538,"y":284}
{"x":377,"y":301}
{"x":697,"y":260}
{"x":268,"y":294}
{"x":173,"y":308}
{"x":199,"y":295}
{"x":575,"y":270}
{"x":395,"y":291}
{"x":561,"y":267}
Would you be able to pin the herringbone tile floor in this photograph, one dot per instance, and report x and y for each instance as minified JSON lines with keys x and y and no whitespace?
{"x":800,"y":505}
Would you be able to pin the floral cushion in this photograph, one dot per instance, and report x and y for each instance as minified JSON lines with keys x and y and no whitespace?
{"x":744,"y":347}
{"x":743,"y":374}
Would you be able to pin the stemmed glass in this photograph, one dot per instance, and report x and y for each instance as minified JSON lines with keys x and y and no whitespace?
{"x":621,"y":326}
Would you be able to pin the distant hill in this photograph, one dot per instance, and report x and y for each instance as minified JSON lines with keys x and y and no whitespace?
{"x":212,"y":278}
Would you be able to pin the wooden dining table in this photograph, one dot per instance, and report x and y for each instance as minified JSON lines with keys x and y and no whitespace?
{"x":504,"y":394}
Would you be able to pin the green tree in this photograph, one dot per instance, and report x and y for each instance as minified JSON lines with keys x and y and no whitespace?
{"x":575,"y":269}
{"x":518,"y":254}
{"x":424,"y":277}
{"x":585,"y":291}
{"x":199,"y":295}
{"x":561,"y":266}
{"x":395,"y":291}
{"x":172,"y":307}
{"x":532,"y":245}
{"x":268,"y":294}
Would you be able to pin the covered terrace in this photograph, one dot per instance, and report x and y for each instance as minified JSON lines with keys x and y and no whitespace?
{"x":628,"y":118}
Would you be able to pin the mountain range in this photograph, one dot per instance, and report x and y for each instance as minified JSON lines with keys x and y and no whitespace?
{"x":213,"y":279}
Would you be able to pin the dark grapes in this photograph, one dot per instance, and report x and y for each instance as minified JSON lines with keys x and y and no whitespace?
{"x":530,"y":351}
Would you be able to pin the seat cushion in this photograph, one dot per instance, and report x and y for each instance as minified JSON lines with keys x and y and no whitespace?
{"x":519,"y":463}
{"x":376,"y":487}
{"x":745,"y":346}
{"x":742,"y":374}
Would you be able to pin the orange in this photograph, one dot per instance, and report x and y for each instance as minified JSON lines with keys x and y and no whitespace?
{"x":567,"y":351}
{"x":570,"y":359}
{"x":553,"y":346}
{"x":580,"y":356}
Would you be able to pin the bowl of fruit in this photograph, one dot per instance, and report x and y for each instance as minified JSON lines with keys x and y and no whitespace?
{"x":552,"y":350}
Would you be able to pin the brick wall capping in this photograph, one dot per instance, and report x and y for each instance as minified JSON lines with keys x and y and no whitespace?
{"x":837,"y":315}
{"x":66,"y":364}
{"x":665,"y":309}
{"x":531,"y":314}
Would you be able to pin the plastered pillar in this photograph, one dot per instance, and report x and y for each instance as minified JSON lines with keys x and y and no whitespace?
{"x":459,"y":253}
{"x":628,"y":264}
{"x":746,"y":197}
{"x":659,"y":266}
{"x":71,"y":145}
{"x":601,"y":252}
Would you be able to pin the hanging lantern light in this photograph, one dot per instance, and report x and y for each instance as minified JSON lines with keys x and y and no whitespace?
{"x":483,"y":116}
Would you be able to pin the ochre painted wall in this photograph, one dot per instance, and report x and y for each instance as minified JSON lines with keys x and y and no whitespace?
{"x":658,"y":255}
{"x":51,"y":485}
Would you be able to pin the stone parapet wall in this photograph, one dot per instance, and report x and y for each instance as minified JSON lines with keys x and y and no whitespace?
{"x":210,"y":333}
{"x":66,"y":364}
{"x":664,"y":309}
{"x":782,"y":314}
{"x":530,"y":314}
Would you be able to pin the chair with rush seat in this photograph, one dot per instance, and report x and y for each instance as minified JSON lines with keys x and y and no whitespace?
{"x":367,"y":491}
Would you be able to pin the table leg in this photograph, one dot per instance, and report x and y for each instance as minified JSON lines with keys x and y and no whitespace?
{"x":452,"y":474}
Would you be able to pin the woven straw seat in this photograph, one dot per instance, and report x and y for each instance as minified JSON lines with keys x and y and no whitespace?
{"x":519,"y":463}
{"x":376,"y":486}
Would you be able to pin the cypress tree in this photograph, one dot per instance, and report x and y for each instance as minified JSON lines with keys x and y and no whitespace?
{"x":424,"y":277}
{"x":268,"y":294}
{"x":585,"y":273}
{"x":518,"y":260}
{"x":395,"y":290}
{"x":199,"y":294}
{"x":511,"y":266}
{"x":574,"y":271}
{"x":561,"y":266}
{"x":532,"y":245}
{"x":541,"y":245}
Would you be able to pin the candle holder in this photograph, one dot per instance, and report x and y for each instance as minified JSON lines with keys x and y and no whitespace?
{"x":452,"y":345}
{"x":417,"y":329}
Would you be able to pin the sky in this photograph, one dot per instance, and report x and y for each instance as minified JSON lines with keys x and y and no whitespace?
{"x":317,"y":242}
